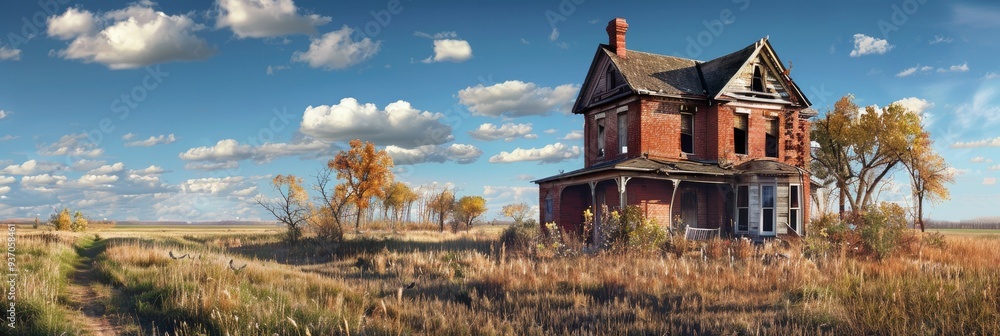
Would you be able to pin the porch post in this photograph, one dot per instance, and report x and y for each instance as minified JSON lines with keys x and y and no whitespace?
{"x":621,"y":190}
{"x":673,"y":195}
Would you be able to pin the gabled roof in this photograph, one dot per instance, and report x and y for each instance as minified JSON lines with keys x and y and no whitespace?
{"x":658,"y":73}
{"x":654,"y":74}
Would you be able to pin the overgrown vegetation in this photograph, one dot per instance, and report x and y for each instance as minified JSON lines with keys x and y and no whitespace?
{"x":475,"y":282}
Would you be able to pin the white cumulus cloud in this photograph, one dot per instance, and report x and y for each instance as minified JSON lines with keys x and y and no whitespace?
{"x":9,"y":54}
{"x":337,"y":50}
{"x":450,"y":50}
{"x":129,"y":38}
{"x":517,"y":99}
{"x":507,"y":132}
{"x":399,"y":124}
{"x":153,"y":141}
{"x":459,"y":153}
{"x":553,"y":153}
{"x":867,"y":45}
{"x":266,"y":18}
{"x":32,"y":167}
{"x":995,"y":142}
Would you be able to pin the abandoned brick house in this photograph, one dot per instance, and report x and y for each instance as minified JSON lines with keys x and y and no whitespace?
{"x":726,"y":140}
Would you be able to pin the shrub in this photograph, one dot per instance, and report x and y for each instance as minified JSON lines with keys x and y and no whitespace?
{"x":519,"y":238}
{"x":882,"y":229}
{"x":630,"y":230}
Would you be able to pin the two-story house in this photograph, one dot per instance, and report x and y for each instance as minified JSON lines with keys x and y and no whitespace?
{"x":725,"y":140}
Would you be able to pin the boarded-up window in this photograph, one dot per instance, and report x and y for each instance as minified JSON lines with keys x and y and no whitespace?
{"x":771,"y":141}
{"x":687,"y":133}
{"x":740,"y":127}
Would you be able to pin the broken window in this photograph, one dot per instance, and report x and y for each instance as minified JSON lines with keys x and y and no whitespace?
{"x":771,"y":141}
{"x":742,"y":208}
{"x":600,"y":137}
{"x":740,"y":127}
{"x":687,"y":133}
{"x":623,"y":131}
{"x":757,"y":85}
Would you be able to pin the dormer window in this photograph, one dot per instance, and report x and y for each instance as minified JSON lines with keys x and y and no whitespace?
{"x":757,"y":85}
{"x":610,"y":79}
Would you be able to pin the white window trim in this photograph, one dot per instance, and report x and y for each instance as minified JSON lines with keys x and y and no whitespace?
{"x":798,"y":214}
{"x":736,"y":214}
{"x":774,"y":211}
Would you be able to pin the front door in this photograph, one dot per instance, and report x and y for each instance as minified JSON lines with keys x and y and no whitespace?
{"x":689,"y":209}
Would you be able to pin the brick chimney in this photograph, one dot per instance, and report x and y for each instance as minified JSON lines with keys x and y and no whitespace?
{"x":616,"y":36}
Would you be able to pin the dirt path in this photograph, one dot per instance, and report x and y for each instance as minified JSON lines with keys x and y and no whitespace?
{"x":82,"y":296}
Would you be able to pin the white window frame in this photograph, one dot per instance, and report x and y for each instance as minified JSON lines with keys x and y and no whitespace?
{"x":773,"y":207}
{"x":797,"y":215}
{"x":738,"y":207}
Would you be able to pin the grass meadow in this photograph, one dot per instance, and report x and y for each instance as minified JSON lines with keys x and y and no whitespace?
{"x":246,"y":281}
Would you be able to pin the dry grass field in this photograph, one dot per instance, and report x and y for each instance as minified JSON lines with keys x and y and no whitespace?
{"x":246,"y":281}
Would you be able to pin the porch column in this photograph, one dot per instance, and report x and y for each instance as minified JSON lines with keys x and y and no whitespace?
{"x":673,"y":196}
{"x":622,"y":181}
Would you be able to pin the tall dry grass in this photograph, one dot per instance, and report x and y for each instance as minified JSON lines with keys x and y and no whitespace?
{"x":43,"y":264}
{"x":469,"y":284}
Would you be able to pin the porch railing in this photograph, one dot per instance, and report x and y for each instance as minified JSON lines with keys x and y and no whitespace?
{"x":691,"y":233}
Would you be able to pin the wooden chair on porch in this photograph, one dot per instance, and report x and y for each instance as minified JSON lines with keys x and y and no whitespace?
{"x":691,"y":233}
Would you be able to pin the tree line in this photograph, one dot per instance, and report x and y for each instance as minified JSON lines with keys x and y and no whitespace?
{"x":357,"y":187}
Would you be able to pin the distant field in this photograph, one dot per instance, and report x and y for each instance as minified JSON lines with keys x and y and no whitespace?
{"x":967,"y":232}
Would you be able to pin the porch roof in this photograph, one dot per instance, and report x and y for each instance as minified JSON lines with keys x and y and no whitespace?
{"x":680,"y":167}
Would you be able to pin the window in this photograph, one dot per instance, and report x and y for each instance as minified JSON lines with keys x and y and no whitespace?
{"x":687,"y":133}
{"x":793,"y":207}
{"x":767,"y":209}
{"x":757,"y":85}
{"x":623,"y":131}
{"x":548,"y":209}
{"x":742,"y":208}
{"x":771,"y":141}
{"x":600,"y":137}
{"x":740,"y":126}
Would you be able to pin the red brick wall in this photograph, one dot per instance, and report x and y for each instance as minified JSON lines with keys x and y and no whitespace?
{"x":612,"y":148}
{"x":652,"y":196}
{"x":574,"y":201}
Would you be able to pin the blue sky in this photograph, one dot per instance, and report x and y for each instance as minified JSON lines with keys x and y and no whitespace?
{"x":184,"y":110}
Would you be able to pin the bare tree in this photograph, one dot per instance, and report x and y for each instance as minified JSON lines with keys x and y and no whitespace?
{"x":292,"y":207}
